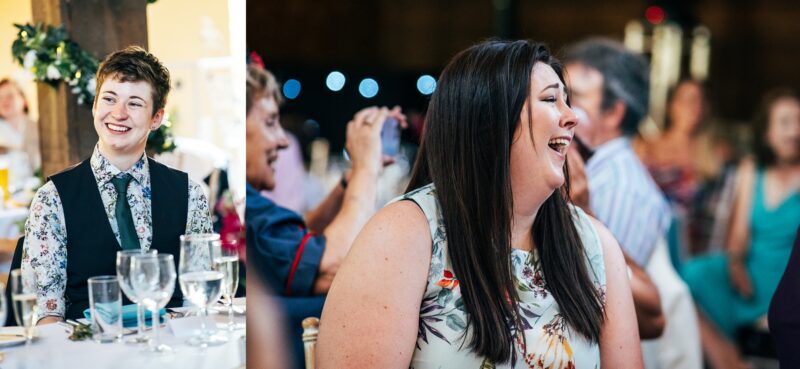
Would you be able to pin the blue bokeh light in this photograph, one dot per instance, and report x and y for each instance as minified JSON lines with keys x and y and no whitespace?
{"x":291,"y":89}
{"x":335,"y":81}
{"x":426,"y":84}
{"x":368,"y":88}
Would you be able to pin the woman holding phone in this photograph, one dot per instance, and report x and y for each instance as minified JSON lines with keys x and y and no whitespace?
{"x":484,"y":263}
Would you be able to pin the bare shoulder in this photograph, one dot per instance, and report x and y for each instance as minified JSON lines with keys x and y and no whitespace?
{"x":611,"y":250}
{"x":401,"y":219}
{"x":372,"y":310}
{"x":747,"y":164}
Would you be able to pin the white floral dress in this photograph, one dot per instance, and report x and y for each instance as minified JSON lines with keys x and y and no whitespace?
{"x":551,"y":343}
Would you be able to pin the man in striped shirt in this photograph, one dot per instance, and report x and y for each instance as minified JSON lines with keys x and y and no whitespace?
{"x":610,"y":85}
{"x":609,"y":89}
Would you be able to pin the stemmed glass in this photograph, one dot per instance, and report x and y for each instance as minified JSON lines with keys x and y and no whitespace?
{"x":226,"y":260}
{"x":153,"y":280}
{"x":200,"y":283}
{"x":23,"y":294}
{"x":124,"y":276}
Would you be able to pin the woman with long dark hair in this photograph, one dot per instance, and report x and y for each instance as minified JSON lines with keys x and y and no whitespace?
{"x":487,"y":264}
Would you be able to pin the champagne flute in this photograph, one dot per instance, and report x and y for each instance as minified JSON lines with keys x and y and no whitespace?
{"x":200,"y":283}
{"x":226,"y":260}
{"x":23,"y":295}
{"x":153,"y":279}
{"x":124,"y":276}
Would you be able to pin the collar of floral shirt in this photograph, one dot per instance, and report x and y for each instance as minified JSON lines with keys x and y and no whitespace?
{"x":104,"y":171}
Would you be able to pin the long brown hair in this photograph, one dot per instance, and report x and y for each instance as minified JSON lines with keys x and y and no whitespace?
{"x":465,"y":152}
{"x":764,"y":154}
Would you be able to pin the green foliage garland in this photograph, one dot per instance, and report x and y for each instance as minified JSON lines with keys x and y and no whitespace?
{"x":49,"y":54}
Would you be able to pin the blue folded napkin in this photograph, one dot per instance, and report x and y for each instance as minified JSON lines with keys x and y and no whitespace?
{"x":129,"y":315}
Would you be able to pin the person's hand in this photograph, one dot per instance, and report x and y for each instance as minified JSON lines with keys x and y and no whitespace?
{"x":578,"y":182}
{"x":49,"y":320}
{"x":740,"y":279}
{"x":364,"y":139}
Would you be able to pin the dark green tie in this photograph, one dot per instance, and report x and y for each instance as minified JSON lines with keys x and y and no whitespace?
{"x":127,"y":231}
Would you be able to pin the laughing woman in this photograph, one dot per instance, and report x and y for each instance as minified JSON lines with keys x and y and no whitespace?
{"x":484,"y":263}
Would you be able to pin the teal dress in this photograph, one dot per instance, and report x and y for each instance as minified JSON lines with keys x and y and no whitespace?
{"x":772,"y":232}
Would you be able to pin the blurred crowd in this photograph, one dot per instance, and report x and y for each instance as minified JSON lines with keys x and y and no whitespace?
{"x":704,"y":211}
{"x":19,"y":139}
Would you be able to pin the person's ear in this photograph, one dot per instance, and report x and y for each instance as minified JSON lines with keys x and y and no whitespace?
{"x":612,"y":117}
{"x":155,"y":122}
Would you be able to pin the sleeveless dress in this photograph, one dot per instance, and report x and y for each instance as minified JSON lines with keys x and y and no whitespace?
{"x":550,"y":342}
{"x":772,"y":232}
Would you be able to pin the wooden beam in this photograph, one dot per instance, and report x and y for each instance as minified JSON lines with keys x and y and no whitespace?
{"x":66,"y":129}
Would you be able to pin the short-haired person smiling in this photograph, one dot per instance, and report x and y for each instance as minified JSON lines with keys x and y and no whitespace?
{"x":117,"y":199}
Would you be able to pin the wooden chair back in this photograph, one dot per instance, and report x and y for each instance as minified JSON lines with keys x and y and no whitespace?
{"x":310,"y":331}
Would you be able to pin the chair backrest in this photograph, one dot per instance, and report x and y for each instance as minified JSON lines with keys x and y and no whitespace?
{"x":310,"y":331}
{"x":16,"y":263}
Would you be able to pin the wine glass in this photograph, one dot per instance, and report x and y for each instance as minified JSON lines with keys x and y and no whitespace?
{"x":124,"y":277}
{"x":200,"y":283}
{"x":153,"y":280}
{"x":23,"y":295}
{"x":226,"y":260}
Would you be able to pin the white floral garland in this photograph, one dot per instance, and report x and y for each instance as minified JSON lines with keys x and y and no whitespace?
{"x":52,"y":58}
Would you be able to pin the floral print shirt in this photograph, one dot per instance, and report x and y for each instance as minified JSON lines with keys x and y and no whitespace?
{"x":549,"y":341}
{"x":45,"y":249}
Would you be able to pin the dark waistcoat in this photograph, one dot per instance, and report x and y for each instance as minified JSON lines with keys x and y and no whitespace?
{"x":91,"y":244}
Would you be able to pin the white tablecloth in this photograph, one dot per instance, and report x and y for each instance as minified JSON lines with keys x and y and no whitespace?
{"x":8,"y":221}
{"x":52,"y":350}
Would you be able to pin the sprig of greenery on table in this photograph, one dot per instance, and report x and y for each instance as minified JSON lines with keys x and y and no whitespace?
{"x":52,"y":57}
{"x":81,"y":332}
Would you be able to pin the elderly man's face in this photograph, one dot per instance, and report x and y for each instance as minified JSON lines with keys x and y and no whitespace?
{"x":586,"y":96}
{"x":264,"y":138}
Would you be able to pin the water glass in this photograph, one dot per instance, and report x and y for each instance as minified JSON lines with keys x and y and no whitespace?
{"x":200,"y":282}
{"x":105,"y":303}
{"x":124,"y":275}
{"x":153,"y":280}
{"x":23,"y":296}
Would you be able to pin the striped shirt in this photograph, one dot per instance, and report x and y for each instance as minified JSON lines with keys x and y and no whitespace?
{"x":626,"y":199}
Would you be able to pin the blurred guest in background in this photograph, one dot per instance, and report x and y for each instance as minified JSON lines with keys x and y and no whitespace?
{"x":485,"y":264}
{"x":733,"y":290}
{"x":289,"y":191}
{"x":685,"y":163}
{"x":676,"y":158}
{"x":609,"y":86}
{"x":19,"y":135}
{"x":299,"y":258}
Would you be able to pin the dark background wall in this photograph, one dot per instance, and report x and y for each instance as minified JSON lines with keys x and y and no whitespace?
{"x":755,"y":44}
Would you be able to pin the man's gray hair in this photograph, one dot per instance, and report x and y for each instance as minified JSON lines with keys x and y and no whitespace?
{"x":626,"y":77}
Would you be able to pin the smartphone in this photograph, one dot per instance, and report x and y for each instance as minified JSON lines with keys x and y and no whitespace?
{"x":390,"y":138}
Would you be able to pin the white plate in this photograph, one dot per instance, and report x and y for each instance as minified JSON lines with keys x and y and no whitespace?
{"x":11,"y":336}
